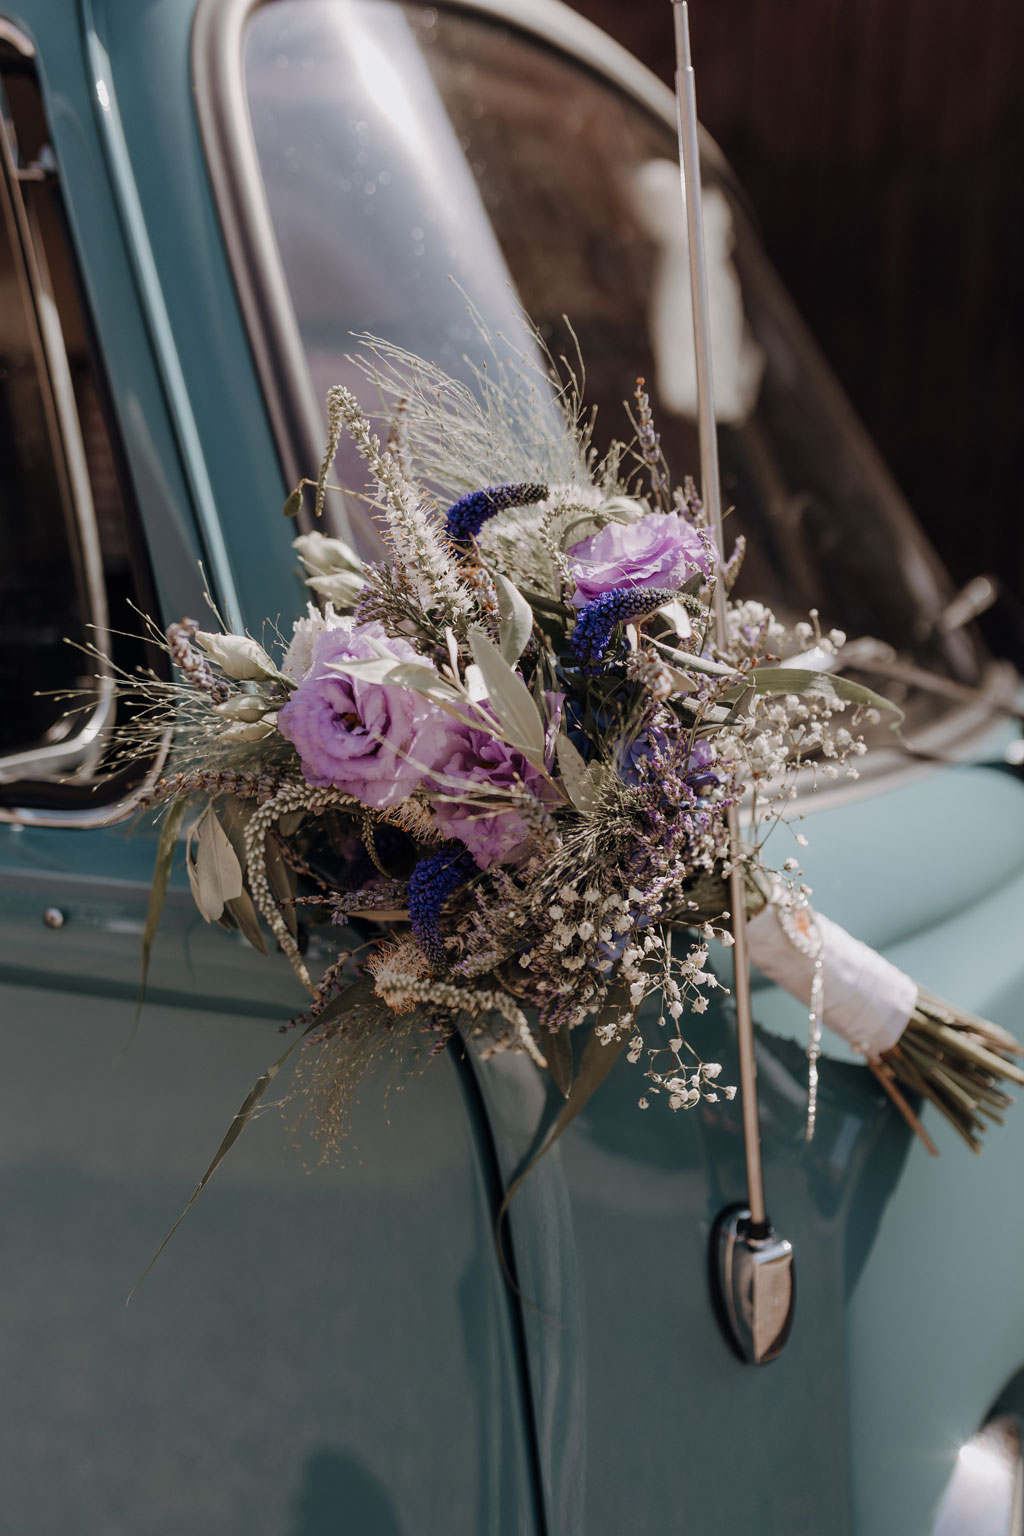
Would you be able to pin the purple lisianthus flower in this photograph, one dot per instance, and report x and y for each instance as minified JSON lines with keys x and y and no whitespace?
{"x":660,"y":550}
{"x":476,"y":763}
{"x":373,"y":741}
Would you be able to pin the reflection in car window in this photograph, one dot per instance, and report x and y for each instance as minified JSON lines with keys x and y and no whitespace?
{"x":403,"y":146}
{"x":43,"y":583}
{"x":70,"y":557}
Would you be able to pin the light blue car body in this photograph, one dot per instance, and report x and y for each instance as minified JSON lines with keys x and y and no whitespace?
{"x":336,"y":1348}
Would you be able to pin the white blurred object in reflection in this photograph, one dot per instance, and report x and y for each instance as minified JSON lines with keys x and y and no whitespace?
{"x":737,"y":360}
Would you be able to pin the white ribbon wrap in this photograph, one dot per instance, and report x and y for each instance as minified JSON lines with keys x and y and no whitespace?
{"x":867,"y":1001}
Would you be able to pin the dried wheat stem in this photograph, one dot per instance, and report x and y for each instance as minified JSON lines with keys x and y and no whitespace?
{"x":292,"y":798}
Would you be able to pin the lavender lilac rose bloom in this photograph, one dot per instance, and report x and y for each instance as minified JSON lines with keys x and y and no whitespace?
{"x":661,"y":550}
{"x":483,"y":763}
{"x":380,"y":743}
{"x":372,"y":741}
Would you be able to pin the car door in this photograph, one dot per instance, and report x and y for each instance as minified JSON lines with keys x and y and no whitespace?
{"x":361,"y":155}
{"x":313,"y":1352}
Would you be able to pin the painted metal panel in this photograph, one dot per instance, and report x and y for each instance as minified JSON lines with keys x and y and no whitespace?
{"x":910,"y":1317}
{"x":278,"y":1371}
{"x":342,"y":1346}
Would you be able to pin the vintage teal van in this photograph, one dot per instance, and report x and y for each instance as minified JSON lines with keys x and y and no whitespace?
{"x":202,"y":199}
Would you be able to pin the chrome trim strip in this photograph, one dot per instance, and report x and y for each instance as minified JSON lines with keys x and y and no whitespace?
{"x":92,"y":818}
{"x":225,"y":128}
{"x":565,"y":28}
{"x":82,"y":750}
{"x":79,"y":754}
{"x":85,"y":750}
{"x":151,"y":296}
{"x":18,"y":40}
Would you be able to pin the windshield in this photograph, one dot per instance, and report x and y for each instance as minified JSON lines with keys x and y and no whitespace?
{"x":415,"y":157}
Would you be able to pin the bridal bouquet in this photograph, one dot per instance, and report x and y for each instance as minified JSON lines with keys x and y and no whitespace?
{"x":496,"y":766}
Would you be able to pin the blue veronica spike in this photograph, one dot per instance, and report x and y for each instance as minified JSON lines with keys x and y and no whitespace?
{"x":465,"y":519}
{"x":597,"y":620}
{"x":430,"y":884}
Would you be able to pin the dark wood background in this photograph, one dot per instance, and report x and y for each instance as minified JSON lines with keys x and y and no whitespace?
{"x":882,"y":145}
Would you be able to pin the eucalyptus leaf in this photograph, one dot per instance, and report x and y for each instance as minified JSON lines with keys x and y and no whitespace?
{"x":235,"y":815}
{"x":515,"y":619}
{"x":542,"y":604}
{"x":715,"y":714}
{"x":597,"y":1059}
{"x":694,"y":663}
{"x":343,"y":1002}
{"x":452,"y":646}
{"x":365,"y":669}
{"x":399,"y":673}
{"x":510,"y":699}
{"x":822,"y":685}
{"x":162,"y":866}
{"x":457,"y":704}
{"x":243,"y":910}
{"x":283,"y":884}
{"x":476,"y":688}
{"x":681,"y":684}
{"x":190,"y":869}
{"x":218,"y":871}
{"x":614,"y":509}
{"x":558,"y":1051}
{"x":391,"y":672}
{"x":424,"y":680}
{"x":575,"y":775}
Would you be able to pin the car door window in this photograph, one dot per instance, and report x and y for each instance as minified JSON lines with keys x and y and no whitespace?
{"x":71,"y":561}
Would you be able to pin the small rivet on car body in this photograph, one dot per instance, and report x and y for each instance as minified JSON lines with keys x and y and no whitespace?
{"x":53,"y":917}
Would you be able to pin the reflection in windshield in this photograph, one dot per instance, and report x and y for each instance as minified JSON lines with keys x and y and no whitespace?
{"x":402,"y":147}
{"x":377,"y":213}
{"x":737,"y":361}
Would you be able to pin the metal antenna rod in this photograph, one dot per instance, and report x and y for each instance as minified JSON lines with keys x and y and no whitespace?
{"x":689,"y":155}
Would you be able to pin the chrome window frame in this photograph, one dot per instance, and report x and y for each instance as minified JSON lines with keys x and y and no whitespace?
{"x":232,"y":161}
{"x":81,"y":751}
{"x":88,"y":743}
